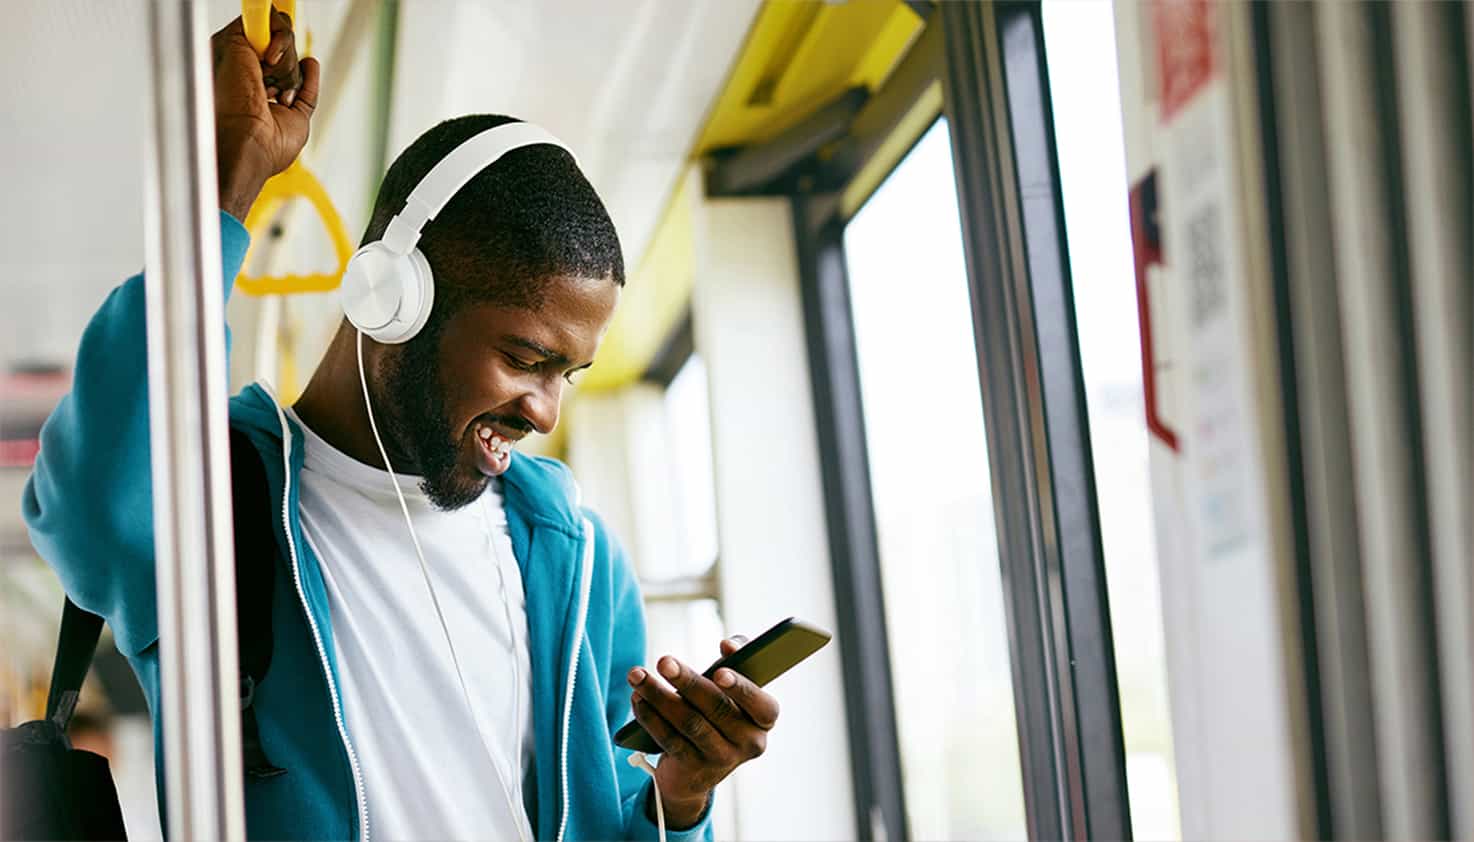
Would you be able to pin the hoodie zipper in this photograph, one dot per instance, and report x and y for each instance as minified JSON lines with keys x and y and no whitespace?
{"x":586,"y":578}
{"x":322,"y":655}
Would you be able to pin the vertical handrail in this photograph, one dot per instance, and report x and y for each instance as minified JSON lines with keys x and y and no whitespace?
{"x":189,"y":447}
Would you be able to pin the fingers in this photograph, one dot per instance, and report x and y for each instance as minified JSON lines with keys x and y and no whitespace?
{"x":671,"y":741}
{"x":706,"y":697}
{"x":280,"y":21}
{"x":759,"y":705}
{"x":732,"y":644}
{"x":684,"y":717}
{"x":700,"y":712}
{"x":305,"y":99}
{"x":279,"y":63}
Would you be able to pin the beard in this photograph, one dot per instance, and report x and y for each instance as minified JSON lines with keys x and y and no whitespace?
{"x":419,"y":424}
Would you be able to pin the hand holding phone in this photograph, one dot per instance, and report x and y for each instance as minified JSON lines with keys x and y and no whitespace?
{"x":761,"y":660}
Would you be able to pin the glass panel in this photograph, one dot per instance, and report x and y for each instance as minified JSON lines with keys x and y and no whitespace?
{"x":1080,"y":44}
{"x":933,"y":504}
{"x":688,"y":425}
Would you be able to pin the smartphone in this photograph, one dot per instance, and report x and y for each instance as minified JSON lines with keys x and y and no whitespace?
{"x":760,"y":660}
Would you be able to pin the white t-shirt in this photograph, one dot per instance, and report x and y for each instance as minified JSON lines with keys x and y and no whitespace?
{"x":424,"y":775}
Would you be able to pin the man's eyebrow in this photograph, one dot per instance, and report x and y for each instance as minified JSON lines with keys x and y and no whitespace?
{"x":548,"y":354}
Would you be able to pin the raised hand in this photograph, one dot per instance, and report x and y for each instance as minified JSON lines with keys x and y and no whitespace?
{"x":263,"y":109}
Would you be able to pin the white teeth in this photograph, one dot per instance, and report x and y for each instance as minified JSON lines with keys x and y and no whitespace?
{"x":499,"y":446}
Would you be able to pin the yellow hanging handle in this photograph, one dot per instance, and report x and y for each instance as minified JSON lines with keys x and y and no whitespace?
{"x":296,"y":181}
{"x":256,"y":16}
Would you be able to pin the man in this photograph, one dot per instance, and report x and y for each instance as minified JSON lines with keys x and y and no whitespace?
{"x":475,"y":698}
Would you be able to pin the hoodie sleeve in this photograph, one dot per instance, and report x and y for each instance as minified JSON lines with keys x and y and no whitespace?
{"x":88,"y":503}
{"x":628,"y":652}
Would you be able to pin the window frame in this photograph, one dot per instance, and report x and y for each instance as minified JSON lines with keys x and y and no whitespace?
{"x":675,"y":351}
{"x":997,"y":100}
{"x":989,"y":61}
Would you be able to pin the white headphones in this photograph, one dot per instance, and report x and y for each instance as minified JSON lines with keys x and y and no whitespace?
{"x":388,"y":289}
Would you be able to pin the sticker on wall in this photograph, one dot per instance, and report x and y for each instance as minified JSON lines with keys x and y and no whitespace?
{"x":1204,"y":261}
{"x":1185,"y":53}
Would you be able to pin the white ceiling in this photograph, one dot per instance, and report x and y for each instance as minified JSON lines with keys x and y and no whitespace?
{"x":627,"y":83}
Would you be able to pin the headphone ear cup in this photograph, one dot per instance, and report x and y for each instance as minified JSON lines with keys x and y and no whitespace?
{"x":387,"y":296}
{"x":419,"y":298}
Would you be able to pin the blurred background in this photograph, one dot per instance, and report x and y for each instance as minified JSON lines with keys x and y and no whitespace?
{"x":1098,"y":371}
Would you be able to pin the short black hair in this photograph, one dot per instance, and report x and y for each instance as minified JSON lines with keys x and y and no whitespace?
{"x":529,"y":217}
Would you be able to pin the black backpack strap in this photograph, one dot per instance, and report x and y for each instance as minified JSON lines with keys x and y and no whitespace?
{"x":80,"y":631}
{"x":255,"y":568}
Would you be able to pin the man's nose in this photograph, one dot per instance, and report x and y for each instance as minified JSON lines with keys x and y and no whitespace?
{"x":540,"y":405}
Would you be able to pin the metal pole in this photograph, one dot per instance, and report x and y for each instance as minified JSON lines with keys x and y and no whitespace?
{"x":188,"y":435}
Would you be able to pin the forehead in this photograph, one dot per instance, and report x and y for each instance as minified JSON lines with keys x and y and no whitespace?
{"x":570,"y":318}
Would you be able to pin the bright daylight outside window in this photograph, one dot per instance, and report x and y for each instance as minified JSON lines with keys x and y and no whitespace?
{"x":688,"y":413}
{"x":1080,"y":44}
{"x":933,"y":504}
{"x":685,"y":625}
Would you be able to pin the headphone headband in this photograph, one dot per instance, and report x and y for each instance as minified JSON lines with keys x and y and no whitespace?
{"x":448,"y":176}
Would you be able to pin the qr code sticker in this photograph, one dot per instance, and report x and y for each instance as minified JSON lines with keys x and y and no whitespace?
{"x":1205,"y":259}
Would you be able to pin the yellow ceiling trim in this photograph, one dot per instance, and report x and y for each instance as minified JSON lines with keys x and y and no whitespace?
{"x":654,"y":297}
{"x":900,"y":29}
{"x":819,"y":50}
{"x":799,"y":56}
{"x":895,"y":146}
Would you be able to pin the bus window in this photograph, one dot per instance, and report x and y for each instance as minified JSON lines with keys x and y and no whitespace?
{"x":1080,"y":47}
{"x":928,"y":462}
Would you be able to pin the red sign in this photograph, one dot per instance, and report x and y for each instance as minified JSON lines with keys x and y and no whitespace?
{"x":19,"y":453}
{"x":1185,"y":61}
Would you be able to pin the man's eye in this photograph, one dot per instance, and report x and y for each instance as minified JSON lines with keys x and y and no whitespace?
{"x":519,"y":364}
{"x":570,"y":375}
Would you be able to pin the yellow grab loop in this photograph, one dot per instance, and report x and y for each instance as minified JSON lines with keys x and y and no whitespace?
{"x":256,"y":17}
{"x":295,"y":182}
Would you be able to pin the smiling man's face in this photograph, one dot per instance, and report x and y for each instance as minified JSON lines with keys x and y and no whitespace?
{"x":458,"y":397}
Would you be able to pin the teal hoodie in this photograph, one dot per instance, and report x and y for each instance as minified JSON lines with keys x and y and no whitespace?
{"x":88,"y":505}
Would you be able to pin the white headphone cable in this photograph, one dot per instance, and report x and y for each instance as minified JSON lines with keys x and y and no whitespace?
{"x":515,"y":813}
{"x":640,"y":761}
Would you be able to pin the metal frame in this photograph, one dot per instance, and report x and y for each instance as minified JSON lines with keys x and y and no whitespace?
{"x":386,"y":57}
{"x":673,"y":352}
{"x":834,"y":371}
{"x":189,"y":448}
{"x":762,"y":169}
{"x":684,"y":588}
{"x":997,"y":102}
